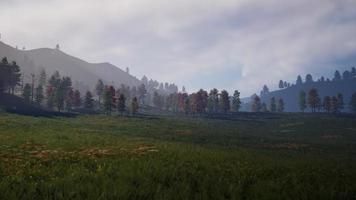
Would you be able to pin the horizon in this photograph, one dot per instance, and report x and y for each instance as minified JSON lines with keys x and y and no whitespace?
{"x":226,"y":45}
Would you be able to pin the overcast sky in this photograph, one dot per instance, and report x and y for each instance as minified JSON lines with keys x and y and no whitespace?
{"x":227,"y":44}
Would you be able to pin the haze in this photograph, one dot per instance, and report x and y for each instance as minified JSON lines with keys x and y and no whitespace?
{"x":200,"y":44}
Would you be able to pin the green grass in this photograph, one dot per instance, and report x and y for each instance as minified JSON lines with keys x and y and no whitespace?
{"x":289,"y":156}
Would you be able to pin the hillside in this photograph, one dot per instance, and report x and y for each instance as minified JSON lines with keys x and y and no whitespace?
{"x":82,"y":72}
{"x":290,"y":95}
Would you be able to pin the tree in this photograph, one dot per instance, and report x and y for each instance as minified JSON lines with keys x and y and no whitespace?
{"x":273,"y":105}
{"x":299,"y":80}
{"x":142,"y":93}
{"x":302,"y":101}
{"x":99,"y":88}
{"x":15,"y":76}
{"x":327,"y":103}
{"x":264,"y":107}
{"x":42,"y":78}
{"x":121,"y":107}
{"x":77,"y":99}
{"x":346,"y":75}
{"x":224,"y":101}
{"x":340,"y":101}
{"x":69,"y":101}
{"x":334,"y":104}
{"x":9,"y":76}
{"x":353,"y":103}
{"x":264,"y":91}
{"x":337,"y":76}
{"x":308,"y":78}
{"x":256,"y":104}
{"x":157,"y":100}
{"x":353,"y":72}
{"x":27,"y":92}
{"x":88,"y":101}
{"x":313,"y":99}
{"x":280,"y":105}
{"x":213,"y":101}
{"x":39,"y":95}
{"x":134,"y":106}
{"x":236,"y":101}
{"x":109,"y":99}
{"x":281,"y":85}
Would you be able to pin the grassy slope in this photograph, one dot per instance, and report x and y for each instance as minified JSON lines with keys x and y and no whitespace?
{"x":249,"y":157}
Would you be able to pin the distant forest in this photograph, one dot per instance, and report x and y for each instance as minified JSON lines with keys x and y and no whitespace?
{"x":56,"y":93}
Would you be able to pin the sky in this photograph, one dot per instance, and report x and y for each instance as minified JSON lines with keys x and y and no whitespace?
{"x":224,"y":44}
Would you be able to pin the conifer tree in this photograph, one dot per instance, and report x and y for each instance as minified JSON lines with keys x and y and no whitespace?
{"x":236,"y":101}
{"x":88,"y":101}
{"x":353,"y":103}
{"x":280,"y":105}
{"x":273,"y":105}
{"x":134,"y":106}
{"x":302,"y":101}
{"x":39,"y":95}
{"x":224,"y":101}
{"x":27,"y":92}
{"x":313,"y":99}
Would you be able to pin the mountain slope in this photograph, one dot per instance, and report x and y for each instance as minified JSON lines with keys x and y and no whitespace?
{"x":85,"y":73}
{"x":290,"y":95}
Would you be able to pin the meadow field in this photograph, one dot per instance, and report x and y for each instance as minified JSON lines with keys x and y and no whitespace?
{"x":245,"y":156}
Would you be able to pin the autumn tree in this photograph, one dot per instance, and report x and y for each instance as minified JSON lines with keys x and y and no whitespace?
{"x":302,"y":101}
{"x":313,"y":99}
{"x":327,"y":103}
{"x":236,"y":101}
{"x":224,"y":101}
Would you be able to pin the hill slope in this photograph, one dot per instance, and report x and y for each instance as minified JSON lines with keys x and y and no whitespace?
{"x":327,"y":88}
{"x":85,"y":73}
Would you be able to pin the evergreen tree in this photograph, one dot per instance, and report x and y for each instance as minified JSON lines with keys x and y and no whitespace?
{"x":134,"y":106}
{"x":69,"y":100}
{"x":99,"y":88}
{"x":42,"y":78}
{"x":340,"y":102}
{"x":346,"y":75}
{"x":280,"y":105}
{"x":256,"y":104}
{"x":273,"y":105}
{"x":302,"y":101}
{"x":27,"y":92}
{"x":109,"y":99}
{"x":353,"y":72}
{"x":77,"y":99}
{"x":88,"y":101}
{"x":264,"y":91}
{"x":39,"y":95}
{"x":142,"y":93}
{"x":299,"y":80}
{"x":157,"y":100}
{"x":281,"y":85}
{"x":121,"y":107}
{"x":224,"y":101}
{"x":236,"y":101}
{"x":264,"y":107}
{"x":308,"y":78}
{"x":213,"y":101}
{"x":337,"y":76}
{"x":334,"y":104}
{"x":353,"y":103}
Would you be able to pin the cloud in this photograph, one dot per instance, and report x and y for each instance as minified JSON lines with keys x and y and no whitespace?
{"x":196,"y":43}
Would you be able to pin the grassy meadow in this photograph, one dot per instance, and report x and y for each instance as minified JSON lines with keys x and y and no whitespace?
{"x":247,"y":156}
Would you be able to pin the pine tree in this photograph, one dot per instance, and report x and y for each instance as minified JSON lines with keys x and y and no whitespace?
{"x":302,"y":101}
{"x":264,"y":107}
{"x":340,"y":102}
{"x":256,"y":104}
{"x":299,"y":80}
{"x":280,"y":105}
{"x":134,"y":106}
{"x":353,"y":103}
{"x":236,"y":101}
{"x":281,"y":85}
{"x":273,"y":105}
{"x":99,"y":88}
{"x":77,"y":99}
{"x":308,"y":78}
{"x":213,"y":101}
{"x":337,"y":76}
{"x":42,"y":78}
{"x":88,"y":101}
{"x":224,"y":101}
{"x":27,"y":92}
{"x":39,"y":95}
{"x":334,"y":104}
{"x":69,"y":100}
{"x":121,"y":107}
